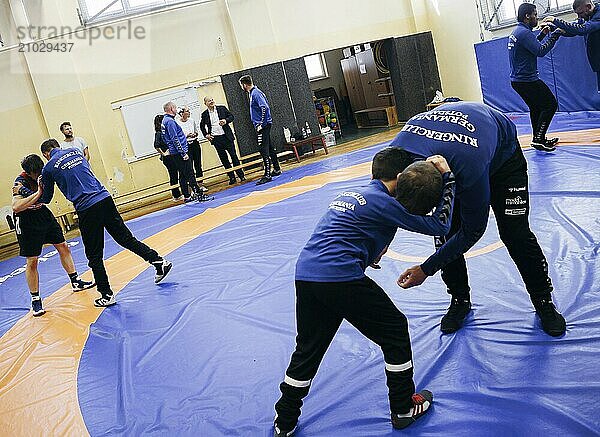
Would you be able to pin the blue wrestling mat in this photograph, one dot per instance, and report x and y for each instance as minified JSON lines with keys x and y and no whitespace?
{"x":203,"y":353}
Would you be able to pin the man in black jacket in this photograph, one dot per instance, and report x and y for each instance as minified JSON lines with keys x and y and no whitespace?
{"x":214,"y":124}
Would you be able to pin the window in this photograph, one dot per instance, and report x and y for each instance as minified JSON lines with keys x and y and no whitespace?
{"x":315,"y":66}
{"x":502,"y":13}
{"x":93,"y":11}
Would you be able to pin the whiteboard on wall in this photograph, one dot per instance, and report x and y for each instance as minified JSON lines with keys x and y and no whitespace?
{"x":138,"y":114}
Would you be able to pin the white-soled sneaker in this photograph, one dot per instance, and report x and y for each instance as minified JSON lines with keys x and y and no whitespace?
{"x":36,"y":306}
{"x":163,"y":267}
{"x":105,"y":301}
{"x":79,"y":284}
{"x":421,"y":403}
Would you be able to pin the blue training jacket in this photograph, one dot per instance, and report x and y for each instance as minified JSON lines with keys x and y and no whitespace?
{"x":523,"y":51}
{"x":358,"y":226}
{"x":475,"y":140}
{"x":260,"y":112}
{"x":71,"y":172}
{"x":590,"y":30}
{"x":173,"y":136}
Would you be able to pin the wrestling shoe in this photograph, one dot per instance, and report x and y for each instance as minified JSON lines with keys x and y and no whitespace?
{"x":282,"y":432}
{"x":79,"y":284}
{"x":553,"y":323}
{"x":544,"y":146}
{"x":454,"y":318}
{"x":264,"y":180}
{"x":163,"y":267}
{"x":36,"y":306}
{"x":105,"y":300}
{"x":421,"y":403}
{"x":276,"y":172}
{"x":552,"y":141}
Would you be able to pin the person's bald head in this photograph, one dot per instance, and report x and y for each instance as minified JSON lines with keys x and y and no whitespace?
{"x":209,"y":102}
{"x":584,"y":9}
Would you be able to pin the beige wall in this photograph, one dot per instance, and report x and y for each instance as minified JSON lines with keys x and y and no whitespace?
{"x":455,"y":28}
{"x":185,"y":45}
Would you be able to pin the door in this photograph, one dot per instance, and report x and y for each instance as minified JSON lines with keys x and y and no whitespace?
{"x":353,"y":83}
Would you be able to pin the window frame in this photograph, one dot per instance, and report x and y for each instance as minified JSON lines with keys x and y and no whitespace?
{"x":492,"y":20}
{"x":321,"y":58}
{"x":129,"y":11}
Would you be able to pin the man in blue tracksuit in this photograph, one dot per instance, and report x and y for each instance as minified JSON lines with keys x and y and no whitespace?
{"x":331,"y":284}
{"x":175,"y":139}
{"x":482,"y":148}
{"x":523,"y":51}
{"x":588,"y":26}
{"x":260,"y":115}
{"x":96,"y":210}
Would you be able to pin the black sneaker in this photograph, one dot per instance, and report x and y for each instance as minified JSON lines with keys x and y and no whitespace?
{"x":552,"y":141}
{"x":282,"y":432}
{"x":79,"y":284}
{"x":232,"y":181}
{"x":106,"y":300}
{"x":453,"y":320}
{"x":242,"y":178}
{"x":543,"y":146}
{"x":36,"y":306}
{"x":276,"y":173}
{"x":264,"y":180}
{"x":553,"y":323}
{"x":421,"y":403}
{"x":163,"y":267}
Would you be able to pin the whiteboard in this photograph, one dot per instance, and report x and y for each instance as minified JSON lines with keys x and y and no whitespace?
{"x":138,"y":115}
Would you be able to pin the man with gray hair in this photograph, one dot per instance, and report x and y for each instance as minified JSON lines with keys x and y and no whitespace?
{"x":588,"y":26}
{"x":176,"y":140}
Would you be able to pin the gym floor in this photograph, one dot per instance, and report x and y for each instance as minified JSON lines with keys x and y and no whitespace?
{"x":203,"y":353}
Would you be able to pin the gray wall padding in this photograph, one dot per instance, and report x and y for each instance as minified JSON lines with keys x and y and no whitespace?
{"x":414,"y":72}
{"x":299,"y":86}
{"x":272,"y":81}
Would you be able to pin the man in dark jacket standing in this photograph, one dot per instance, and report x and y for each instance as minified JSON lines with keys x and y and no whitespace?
{"x":523,"y":50}
{"x":260,"y":115}
{"x":588,"y":26}
{"x":214,"y":124}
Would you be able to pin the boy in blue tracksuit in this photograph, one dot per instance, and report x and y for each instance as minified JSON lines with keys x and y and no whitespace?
{"x":260,"y":115}
{"x":588,"y":26}
{"x":523,"y":50}
{"x":331,"y":284}
{"x":96,"y":209}
{"x":482,"y":148}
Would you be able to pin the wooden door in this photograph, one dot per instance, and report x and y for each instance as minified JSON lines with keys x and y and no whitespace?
{"x":353,"y":83}
{"x":368,"y":75}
